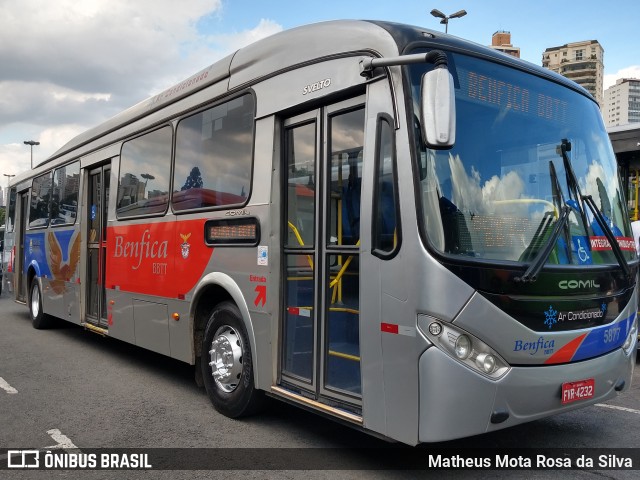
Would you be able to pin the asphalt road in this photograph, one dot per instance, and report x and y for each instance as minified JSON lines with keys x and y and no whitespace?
{"x":79,"y":389}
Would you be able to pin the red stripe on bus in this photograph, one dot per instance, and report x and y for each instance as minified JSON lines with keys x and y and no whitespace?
{"x":566,"y":353}
{"x":389,"y":328}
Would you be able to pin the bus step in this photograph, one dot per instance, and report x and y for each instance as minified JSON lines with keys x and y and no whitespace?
{"x":336,"y":412}
{"x":95,"y":329}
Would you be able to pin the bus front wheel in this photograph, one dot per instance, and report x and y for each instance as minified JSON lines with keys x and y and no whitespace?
{"x":227,"y":364}
{"x":38,"y":318}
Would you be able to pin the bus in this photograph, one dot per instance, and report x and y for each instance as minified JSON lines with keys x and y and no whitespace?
{"x":403,"y":231}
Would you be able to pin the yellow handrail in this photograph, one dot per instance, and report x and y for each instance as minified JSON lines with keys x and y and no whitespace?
{"x":336,"y":281}
{"x":300,"y":241}
{"x":344,"y":267}
{"x":340,"y":273}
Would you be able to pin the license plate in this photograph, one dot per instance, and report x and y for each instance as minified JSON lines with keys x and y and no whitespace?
{"x":581,"y":390}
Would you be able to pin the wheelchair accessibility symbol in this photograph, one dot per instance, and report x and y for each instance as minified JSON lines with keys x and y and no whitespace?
{"x":579,"y":244}
{"x":582,"y":253}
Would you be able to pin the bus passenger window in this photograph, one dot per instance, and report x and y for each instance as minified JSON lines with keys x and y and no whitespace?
{"x":213,"y":157}
{"x":145,"y":163}
{"x":64,"y":204}
{"x":11,"y":215}
{"x":40,"y":198}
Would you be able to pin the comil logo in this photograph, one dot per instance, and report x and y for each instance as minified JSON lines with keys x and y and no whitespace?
{"x":576,"y":284}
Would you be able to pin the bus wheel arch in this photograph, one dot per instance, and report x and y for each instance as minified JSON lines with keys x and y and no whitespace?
{"x":33,"y":271}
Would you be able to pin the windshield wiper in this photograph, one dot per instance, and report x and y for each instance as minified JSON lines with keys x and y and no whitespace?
{"x":565,"y":146}
{"x":558,"y":199}
{"x":564,"y":208}
{"x":531,"y":274}
{"x":572,"y":181}
{"x":606,"y":229}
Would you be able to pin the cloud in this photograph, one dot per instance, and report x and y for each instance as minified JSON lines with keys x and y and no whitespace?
{"x":471,"y":195}
{"x":628,"y":72}
{"x":91,"y":45}
{"x":68,"y":65}
{"x":14,"y":159}
{"x":234,"y":41}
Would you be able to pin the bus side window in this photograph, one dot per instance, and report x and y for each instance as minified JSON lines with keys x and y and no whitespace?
{"x":386,"y":232}
{"x":214,"y":155}
{"x":40,"y":201}
{"x":64,"y":200}
{"x":145,"y":163}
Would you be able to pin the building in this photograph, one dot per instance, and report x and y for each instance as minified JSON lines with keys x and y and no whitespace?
{"x":582,"y":62}
{"x":622,"y":102}
{"x":501,"y":40}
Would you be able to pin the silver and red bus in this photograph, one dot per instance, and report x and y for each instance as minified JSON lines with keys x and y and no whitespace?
{"x":399,"y":229}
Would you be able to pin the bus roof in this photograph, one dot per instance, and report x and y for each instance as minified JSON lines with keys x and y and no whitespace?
{"x":286,"y":50}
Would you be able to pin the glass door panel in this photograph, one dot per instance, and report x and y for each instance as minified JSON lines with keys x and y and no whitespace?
{"x":299,"y":330}
{"x":98,"y":201}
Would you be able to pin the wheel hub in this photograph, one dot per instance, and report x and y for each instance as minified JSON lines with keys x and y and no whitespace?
{"x":226,"y":358}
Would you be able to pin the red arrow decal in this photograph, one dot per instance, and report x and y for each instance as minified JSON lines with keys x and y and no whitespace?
{"x":261,"y":298}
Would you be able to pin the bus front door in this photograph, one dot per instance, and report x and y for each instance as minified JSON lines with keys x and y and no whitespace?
{"x":320,"y":350}
{"x":96,"y":211}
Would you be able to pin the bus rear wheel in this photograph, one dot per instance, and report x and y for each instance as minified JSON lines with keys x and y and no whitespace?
{"x":227,"y":364}
{"x":38,"y":318}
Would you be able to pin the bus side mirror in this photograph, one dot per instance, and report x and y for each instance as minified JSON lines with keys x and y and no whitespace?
{"x":438,"y":109}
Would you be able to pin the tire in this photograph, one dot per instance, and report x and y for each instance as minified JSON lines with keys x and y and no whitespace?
{"x":38,"y":319}
{"x":227,"y":364}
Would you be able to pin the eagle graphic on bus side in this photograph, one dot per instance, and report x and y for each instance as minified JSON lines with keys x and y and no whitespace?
{"x":61,"y":272}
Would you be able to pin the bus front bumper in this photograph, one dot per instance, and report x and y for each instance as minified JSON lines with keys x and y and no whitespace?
{"x":457,"y":402}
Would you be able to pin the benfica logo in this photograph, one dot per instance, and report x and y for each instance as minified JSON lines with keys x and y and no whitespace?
{"x":184,"y":246}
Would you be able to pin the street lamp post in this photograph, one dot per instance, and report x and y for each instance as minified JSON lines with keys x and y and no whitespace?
{"x":445,"y":18}
{"x":31,"y":143}
{"x":147,"y":177}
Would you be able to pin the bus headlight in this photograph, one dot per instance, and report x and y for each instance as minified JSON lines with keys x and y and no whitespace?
{"x":463,"y":347}
{"x":627,"y":346}
{"x":486,"y":362}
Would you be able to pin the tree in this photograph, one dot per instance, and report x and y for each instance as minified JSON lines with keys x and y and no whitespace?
{"x":194,"y":180}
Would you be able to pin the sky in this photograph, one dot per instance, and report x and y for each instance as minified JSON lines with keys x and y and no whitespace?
{"x":68,"y":65}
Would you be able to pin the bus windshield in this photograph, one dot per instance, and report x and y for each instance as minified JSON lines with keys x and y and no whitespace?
{"x":527,"y":150}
